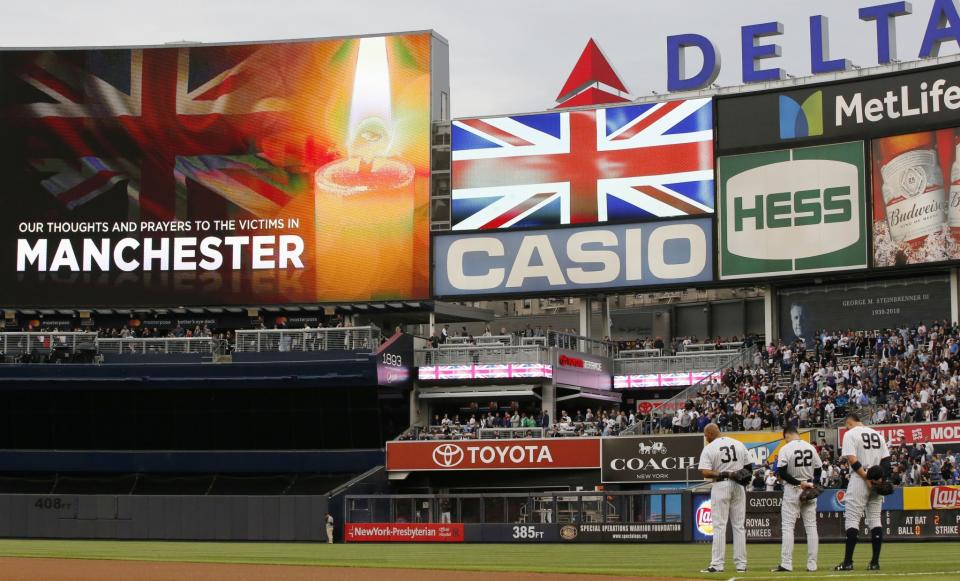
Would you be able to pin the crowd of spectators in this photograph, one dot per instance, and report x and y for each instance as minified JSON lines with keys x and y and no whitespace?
{"x":912,"y":465}
{"x":550,"y":336}
{"x":908,"y":374}
{"x":514,"y":423}
{"x":683,"y":343}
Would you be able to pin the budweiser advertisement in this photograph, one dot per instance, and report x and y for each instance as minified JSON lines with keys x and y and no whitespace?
{"x":916,"y":198}
{"x":528,"y":454}
{"x":926,"y":433}
{"x":402,"y":533}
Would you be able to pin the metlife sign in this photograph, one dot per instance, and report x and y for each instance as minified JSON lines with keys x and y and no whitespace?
{"x":571,"y":260}
{"x":874,"y":107}
{"x":792,"y":211}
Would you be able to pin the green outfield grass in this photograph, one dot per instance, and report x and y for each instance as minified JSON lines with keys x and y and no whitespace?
{"x":915,"y":561}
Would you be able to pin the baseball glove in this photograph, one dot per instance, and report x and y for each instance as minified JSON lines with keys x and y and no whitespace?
{"x":809,"y":494}
{"x":883,"y":488}
{"x":743,"y":476}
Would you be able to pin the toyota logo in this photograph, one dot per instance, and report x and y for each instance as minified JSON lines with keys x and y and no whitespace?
{"x":447,"y":455}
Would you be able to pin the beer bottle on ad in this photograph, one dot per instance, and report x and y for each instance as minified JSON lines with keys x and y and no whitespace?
{"x":913,"y":193}
{"x":953,"y":209}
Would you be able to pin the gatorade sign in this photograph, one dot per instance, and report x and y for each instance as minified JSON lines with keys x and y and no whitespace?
{"x":793,"y":211}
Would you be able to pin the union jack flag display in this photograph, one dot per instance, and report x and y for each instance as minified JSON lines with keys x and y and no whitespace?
{"x":478,"y":371}
{"x":656,"y":380}
{"x":624,"y":163}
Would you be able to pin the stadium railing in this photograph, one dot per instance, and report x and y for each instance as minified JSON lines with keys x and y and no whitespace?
{"x":725,"y":346}
{"x":22,"y":343}
{"x":482,"y":340}
{"x":639,"y":353}
{"x":684,"y":362}
{"x":145,"y":346}
{"x":308,"y":339}
{"x":465,"y":432}
{"x":447,"y":354}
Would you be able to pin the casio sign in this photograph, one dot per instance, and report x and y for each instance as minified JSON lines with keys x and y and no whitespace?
{"x":574,"y":258}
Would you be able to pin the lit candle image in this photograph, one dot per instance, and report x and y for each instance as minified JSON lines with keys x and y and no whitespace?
{"x":364,"y":206}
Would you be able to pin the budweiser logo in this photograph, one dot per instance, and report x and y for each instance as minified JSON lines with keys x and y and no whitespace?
{"x":945,"y":497}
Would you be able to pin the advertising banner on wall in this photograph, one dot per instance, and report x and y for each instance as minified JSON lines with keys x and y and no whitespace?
{"x":910,"y":434}
{"x":763,"y":522}
{"x":581,"y":369}
{"x":916,"y":198}
{"x":834,"y":500}
{"x":874,"y":305}
{"x":623,"y":532}
{"x":525,"y":454}
{"x":651,"y":459}
{"x":618,"y":164}
{"x":675,"y":252}
{"x":763,"y":446}
{"x":246,"y":173}
{"x":873,"y":107}
{"x":403,"y":533}
{"x":931,"y":498}
{"x":794,"y":211}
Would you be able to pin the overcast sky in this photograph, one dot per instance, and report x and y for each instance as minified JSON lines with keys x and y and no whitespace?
{"x":506,"y":55}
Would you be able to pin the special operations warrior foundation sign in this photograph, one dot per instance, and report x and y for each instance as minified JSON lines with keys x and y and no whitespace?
{"x":792,"y":211}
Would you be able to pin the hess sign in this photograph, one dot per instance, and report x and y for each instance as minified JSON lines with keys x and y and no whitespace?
{"x":567,"y":259}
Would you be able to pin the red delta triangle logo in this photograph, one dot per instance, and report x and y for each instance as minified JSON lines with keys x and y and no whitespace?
{"x":592,"y":81}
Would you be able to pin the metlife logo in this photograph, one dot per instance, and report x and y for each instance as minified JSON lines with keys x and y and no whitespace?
{"x":909,"y":101}
{"x":792,"y":211}
{"x":873,"y":107}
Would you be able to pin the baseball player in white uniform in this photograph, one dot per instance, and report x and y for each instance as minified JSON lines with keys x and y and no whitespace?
{"x":864,"y":449}
{"x":798,"y":465}
{"x":725,"y":461}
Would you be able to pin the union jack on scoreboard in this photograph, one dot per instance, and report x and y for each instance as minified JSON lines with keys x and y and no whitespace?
{"x":623,"y":163}
{"x":484,"y":371}
{"x":175,"y":128}
{"x":659,"y":379}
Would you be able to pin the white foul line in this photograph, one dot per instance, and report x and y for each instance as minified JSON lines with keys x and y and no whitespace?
{"x":845,"y":574}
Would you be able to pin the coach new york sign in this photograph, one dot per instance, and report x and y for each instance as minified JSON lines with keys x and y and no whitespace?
{"x":793,"y":211}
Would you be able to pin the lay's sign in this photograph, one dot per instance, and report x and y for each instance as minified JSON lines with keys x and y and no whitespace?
{"x":931,"y":498}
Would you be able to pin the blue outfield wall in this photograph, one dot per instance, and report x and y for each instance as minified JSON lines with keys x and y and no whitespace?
{"x":200,"y":462}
